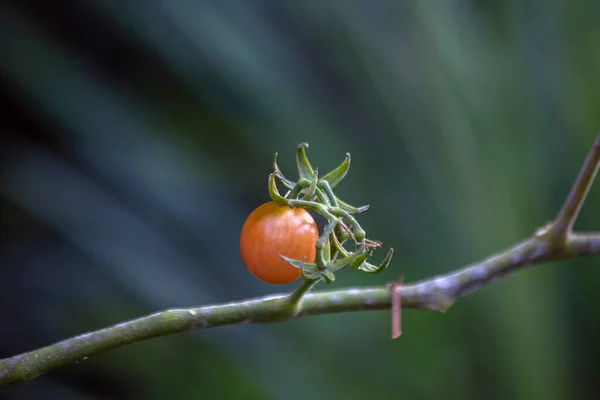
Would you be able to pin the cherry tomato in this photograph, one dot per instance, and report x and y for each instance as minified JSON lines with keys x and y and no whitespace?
{"x":272,"y":230}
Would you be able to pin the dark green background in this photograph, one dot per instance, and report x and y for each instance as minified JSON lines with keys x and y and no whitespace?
{"x":138,"y":135}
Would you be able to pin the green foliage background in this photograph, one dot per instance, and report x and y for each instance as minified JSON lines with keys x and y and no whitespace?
{"x":139,"y":134}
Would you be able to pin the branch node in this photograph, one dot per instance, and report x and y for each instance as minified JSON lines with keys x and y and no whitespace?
{"x":563,"y":224}
{"x":543,"y":231}
{"x":296,"y":296}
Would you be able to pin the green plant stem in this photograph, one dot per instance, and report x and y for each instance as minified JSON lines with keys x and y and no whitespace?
{"x":436,"y":293}
{"x":300,"y":291}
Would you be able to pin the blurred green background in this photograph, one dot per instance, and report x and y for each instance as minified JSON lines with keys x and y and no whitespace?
{"x":138,"y":135}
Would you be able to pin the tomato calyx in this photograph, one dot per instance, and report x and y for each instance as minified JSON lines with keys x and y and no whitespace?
{"x":315,"y":193}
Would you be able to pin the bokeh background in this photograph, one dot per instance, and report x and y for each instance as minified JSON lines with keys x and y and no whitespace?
{"x":138,"y":135}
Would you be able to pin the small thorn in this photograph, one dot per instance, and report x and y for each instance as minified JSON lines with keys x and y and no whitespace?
{"x":544,"y":229}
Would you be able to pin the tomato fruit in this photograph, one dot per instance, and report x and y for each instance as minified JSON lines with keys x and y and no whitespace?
{"x":272,"y":230}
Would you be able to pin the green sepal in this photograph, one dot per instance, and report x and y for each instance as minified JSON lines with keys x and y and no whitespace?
{"x":338,"y":244}
{"x":308,"y":270}
{"x":305,"y":170}
{"x":356,"y":264}
{"x":327,"y":276}
{"x":356,"y":258}
{"x":274,"y":192}
{"x":373,"y":269}
{"x":312,"y":188}
{"x":333,"y":253}
{"x":336,"y":175}
{"x":351,"y":209}
{"x":295,"y":263}
{"x":323,"y":254}
{"x":341,"y":234}
{"x":327,"y":250}
{"x":286,"y":182}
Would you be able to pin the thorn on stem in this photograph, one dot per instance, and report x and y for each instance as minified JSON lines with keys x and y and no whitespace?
{"x":544,"y":229}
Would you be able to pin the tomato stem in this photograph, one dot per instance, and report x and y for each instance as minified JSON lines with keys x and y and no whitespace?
{"x":295,"y":297}
{"x":316,"y":194}
{"x":324,"y":185}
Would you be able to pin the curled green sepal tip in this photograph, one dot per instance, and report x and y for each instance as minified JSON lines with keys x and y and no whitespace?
{"x":357,"y":258}
{"x":308,"y":270}
{"x":305,"y":170}
{"x":352,"y":209}
{"x":286,"y":182}
{"x":274,"y":192}
{"x":373,"y":269}
{"x":336,"y":175}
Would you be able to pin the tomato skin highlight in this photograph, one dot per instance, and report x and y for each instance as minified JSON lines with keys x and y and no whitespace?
{"x":272,"y":230}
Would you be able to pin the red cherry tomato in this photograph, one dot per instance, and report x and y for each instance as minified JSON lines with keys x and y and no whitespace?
{"x":272,"y":230}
